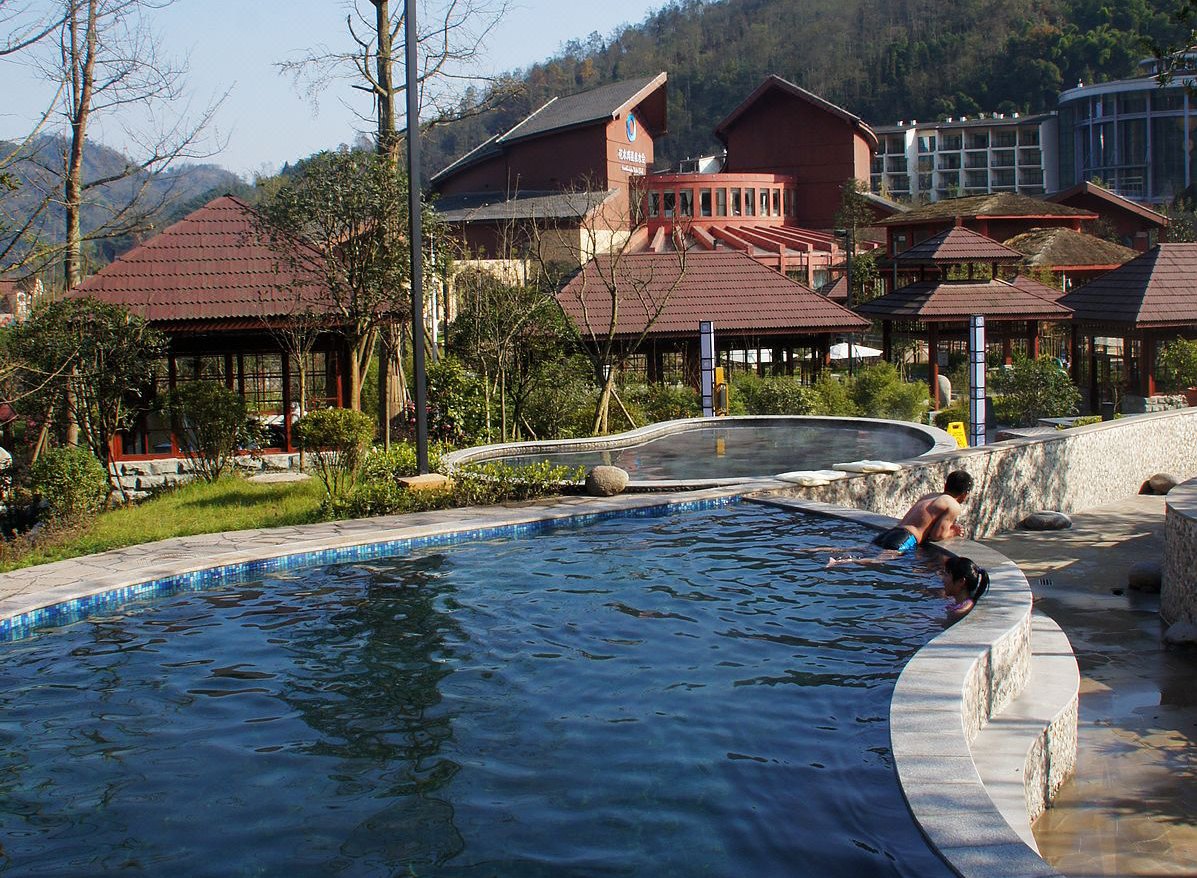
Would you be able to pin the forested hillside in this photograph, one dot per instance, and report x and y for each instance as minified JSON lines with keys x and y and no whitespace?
{"x":883,"y":60}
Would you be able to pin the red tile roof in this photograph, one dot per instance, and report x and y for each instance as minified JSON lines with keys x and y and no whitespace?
{"x":214,"y":264}
{"x":1037,"y":288}
{"x":957,"y":245}
{"x":952,"y":301}
{"x":1087,"y":192}
{"x":736,"y":292}
{"x":836,"y":290}
{"x":1158,"y":288}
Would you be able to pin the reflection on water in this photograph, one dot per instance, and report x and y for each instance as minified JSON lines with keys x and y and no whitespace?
{"x":743,"y":451}
{"x":690,"y":695}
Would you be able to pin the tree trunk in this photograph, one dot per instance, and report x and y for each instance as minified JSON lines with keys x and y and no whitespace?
{"x":384,"y":93}
{"x":81,"y":58}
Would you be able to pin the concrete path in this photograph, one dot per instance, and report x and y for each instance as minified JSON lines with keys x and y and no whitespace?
{"x":1131,"y":809}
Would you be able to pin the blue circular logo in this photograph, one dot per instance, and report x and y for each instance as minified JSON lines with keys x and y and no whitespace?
{"x":631,"y":126}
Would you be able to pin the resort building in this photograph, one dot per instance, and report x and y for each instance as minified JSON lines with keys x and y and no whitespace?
{"x":932,"y":161}
{"x":1132,"y":135}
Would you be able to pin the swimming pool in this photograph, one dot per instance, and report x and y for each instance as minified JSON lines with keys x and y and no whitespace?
{"x":712,"y":450}
{"x":684,"y":695}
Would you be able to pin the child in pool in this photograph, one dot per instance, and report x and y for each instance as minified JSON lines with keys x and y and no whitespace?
{"x":963,"y":584}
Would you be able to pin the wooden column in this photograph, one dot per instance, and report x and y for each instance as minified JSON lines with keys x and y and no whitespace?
{"x":286,"y":361}
{"x":1033,"y":339}
{"x":933,"y":361}
{"x":1074,"y":354}
{"x":1094,"y":400}
{"x":1007,"y":354}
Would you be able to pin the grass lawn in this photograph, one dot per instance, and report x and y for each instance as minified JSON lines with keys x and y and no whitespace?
{"x":195,"y":508}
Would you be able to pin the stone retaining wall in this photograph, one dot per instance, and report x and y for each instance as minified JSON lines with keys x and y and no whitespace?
{"x":1178,"y":590}
{"x":147,"y":476}
{"x":1074,"y":469}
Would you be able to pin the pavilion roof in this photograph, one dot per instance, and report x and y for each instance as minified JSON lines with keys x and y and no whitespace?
{"x":1157,"y":288}
{"x":215,"y":264}
{"x":538,"y":205}
{"x":1060,"y":249}
{"x":951,"y":301}
{"x":957,"y":245}
{"x":995,"y":205}
{"x":1038,"y":288}
{"x":728,"y":287}
{"x":836,"y":290}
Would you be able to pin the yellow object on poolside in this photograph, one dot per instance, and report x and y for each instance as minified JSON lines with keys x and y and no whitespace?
{"x":956,"y":431}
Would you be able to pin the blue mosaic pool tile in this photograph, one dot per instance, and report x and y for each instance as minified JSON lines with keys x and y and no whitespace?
{"x":23,"y":625}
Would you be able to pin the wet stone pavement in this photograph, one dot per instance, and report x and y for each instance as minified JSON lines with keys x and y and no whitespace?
{"x":1131,"y":809}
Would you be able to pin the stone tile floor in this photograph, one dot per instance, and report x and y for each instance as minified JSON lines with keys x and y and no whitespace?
{"x":1131,"y":809}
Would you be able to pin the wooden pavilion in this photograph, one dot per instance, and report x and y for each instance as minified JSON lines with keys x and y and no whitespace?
{"x":1152,"y":298}
{"x":938,"y":308}
{"x":224,"y":296}
{"x":751,"y":305}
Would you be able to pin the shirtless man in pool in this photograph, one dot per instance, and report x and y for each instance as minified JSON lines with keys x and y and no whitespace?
{"x":931,"y":518}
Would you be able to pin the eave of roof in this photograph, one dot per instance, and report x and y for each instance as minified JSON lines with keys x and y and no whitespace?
{"x":493,"y":207}
{"x":957,"y":245}
{"x":954,"y":301}
{"x":773,"y":81}
{"x":989,"y":207}
{"x":1156,"y":289}
{"x":1087,"y":187}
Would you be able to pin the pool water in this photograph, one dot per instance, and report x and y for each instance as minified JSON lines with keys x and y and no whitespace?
{"x":689,"y":695}
{"x":747,"y":450}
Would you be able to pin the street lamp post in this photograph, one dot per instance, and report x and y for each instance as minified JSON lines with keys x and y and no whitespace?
{"x":419,"y":376}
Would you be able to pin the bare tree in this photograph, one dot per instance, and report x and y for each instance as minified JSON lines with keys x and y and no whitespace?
{"x":451,"y":38}
{"x":615,"y":283}
{"x":107,"y":63}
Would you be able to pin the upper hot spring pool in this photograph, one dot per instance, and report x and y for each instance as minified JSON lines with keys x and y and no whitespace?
{"x":686,"y":695}
{"x":697,"y":450}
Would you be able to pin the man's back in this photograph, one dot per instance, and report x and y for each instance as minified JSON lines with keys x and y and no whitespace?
{"x":931,"y":517}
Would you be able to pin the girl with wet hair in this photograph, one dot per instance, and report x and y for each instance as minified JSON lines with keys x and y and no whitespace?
{"x":963,"y":584}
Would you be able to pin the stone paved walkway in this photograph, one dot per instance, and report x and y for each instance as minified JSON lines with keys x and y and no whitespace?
{"x":1131,"y":809}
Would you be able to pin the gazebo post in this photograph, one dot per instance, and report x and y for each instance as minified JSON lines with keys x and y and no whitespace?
{"x":1074,"y":351}
{"x":1033,"y":339}
{"x":1007,"y":355}
{"x":933,"y":360}
{"x":1094,"y":401}
{"x":887,"y":340}
{"x":1147,"y":364}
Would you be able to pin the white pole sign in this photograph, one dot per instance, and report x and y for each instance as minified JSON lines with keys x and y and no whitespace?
{"x":706,"y":336}
{"x":976,"y":380}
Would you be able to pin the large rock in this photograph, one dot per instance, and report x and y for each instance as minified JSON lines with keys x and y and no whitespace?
{"x":1181,"y":632}
{"x":5,"y":459}
{"x":606,"y":481}
{"x":1162,"y":483}
{"x":943,"y":391}
{"x":1046,"y":519}
{"x":1145,"y":576}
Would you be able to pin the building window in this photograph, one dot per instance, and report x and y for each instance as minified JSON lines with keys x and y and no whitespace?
{"x":685,"y":202}
{"x":1004,"y":139}
{"x":977,"y":140}
{"x":1168,"y":156}
{"x":735,"y":202}
{"x":750,"y":202}
{"x":720,"y":202}
{"x":1132,"y":102}
{"x":764,"y":202}
{"x":927,"y":143}
{"x":654,"y":204}
{"x":704,"y":202}
{"x":950,"y":142}
{"x":777,"y":202}
{"x":1167,"y":99}
{"x":1002,"y":158}
{"x":1028,"y":136}
{"x":669,"y":199}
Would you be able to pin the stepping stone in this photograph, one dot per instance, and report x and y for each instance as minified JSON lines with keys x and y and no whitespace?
{"x":1046,"y":519}
{"x":868,"y":466}
{"x":271,"y":478}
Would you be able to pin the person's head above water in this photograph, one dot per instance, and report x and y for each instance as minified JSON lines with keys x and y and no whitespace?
{"x":958,"y":484}
{"x":964,"y":580}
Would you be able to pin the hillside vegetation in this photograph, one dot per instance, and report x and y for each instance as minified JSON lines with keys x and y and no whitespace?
{"x":883,"y":60}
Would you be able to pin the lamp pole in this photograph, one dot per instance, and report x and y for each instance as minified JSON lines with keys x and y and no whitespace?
{"x":419,"y":376}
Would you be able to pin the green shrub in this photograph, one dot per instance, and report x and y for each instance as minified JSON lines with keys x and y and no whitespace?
{"x":833,"y":398}
{"x":399,"y":462}
{"x":772,"y":396}
{"x":562,"y":404}
{"x":211,"y":422}
{"x":456,"y":406}
{"x":1177,"y":365}
{"x":338,"y":440}
{"x":879,"y":392}
{"x":661,"y":402}
{"x":955,"y":412}
{"x":72,"y":482}
{"x":481,"y":484}
{"x":1033,"y":389}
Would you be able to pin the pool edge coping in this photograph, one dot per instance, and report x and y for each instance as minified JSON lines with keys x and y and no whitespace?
{"x":938,"y":778}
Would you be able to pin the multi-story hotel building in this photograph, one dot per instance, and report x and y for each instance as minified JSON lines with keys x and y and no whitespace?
{"x":930,"y":161}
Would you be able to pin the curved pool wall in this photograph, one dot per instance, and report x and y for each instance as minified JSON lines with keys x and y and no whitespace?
{"x":930,"y":439}
{"x":947,"y":691}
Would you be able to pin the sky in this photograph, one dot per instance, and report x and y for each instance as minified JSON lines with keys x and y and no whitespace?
{"x":267,"y":119}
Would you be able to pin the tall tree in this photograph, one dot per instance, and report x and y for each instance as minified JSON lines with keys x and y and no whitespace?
{"x":343,"y":204}
{"x":107,"y":63}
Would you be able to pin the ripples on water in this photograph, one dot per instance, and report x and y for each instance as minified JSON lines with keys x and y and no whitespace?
{"x":683,"y":696}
